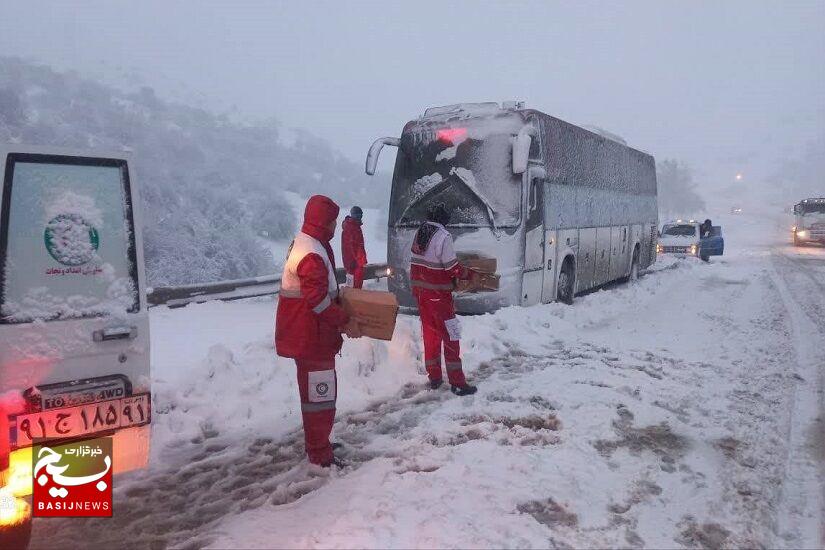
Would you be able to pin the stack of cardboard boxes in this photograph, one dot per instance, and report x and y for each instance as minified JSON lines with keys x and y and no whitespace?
{"x":483,"y":276}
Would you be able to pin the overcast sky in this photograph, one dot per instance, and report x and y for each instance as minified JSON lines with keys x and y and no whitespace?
{"x":727,"y":86}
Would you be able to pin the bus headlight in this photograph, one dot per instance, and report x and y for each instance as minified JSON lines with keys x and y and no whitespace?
{"x":694,"y":249}
{"x":802,"y":233}
{"x":659,"y":249}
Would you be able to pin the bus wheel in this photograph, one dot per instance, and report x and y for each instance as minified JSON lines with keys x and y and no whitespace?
{"x":565,"y":288}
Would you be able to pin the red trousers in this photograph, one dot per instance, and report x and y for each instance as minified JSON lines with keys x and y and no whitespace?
{"x":317,"y":384}
{"x":434,"y":310}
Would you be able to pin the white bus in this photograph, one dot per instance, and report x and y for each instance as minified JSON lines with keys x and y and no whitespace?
{"x":563,"y":209}
{"x":74,"y":329}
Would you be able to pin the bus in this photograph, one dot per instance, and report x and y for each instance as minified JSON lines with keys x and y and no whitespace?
{"x":74,"y":327}
{"x":563,"y":209}
{"x":809,"y":221}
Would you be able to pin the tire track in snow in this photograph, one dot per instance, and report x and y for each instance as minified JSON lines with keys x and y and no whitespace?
{"x":804,"y":470}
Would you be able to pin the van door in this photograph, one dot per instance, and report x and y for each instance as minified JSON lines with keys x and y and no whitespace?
{"x":713,"y":245}
{"x":73,"y":319}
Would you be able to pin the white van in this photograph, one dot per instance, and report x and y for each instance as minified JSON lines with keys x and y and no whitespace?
{"x":74,"y":328}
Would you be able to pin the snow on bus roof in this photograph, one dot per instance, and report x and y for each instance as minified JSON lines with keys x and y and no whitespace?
{"x":469,"y":108}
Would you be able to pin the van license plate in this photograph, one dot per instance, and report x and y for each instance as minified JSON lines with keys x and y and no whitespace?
{"x":70,"y":422}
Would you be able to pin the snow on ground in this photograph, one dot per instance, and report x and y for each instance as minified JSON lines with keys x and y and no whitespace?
{"x":683,"y":409}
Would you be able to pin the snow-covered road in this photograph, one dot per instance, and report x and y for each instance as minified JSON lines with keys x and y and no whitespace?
{"x":683,"y":409}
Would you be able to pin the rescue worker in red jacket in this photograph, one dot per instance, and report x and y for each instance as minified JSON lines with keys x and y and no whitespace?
{"x":352,"y":247}
{"x":433,"y":268}
{"x":309,"y":323}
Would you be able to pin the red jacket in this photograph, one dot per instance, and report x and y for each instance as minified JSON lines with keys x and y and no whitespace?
{"x":309,"y":319}
{"x":433,"y":263}
{"x":352,"y":245}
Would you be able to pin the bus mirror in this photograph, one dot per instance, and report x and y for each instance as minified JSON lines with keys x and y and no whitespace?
{"x":538,"y":173}
{"x":375,"y":152}
{"x":521,"y":149}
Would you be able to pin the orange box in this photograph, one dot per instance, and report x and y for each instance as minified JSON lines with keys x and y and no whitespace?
{"x":483,"y":276}
{"x":375,"y":309}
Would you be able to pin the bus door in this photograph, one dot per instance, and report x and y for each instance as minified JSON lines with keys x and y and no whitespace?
{"x":73,"y":321}
{"x":619,"y":263}
{"x":560,"y":235}
{"x":534,"y":244}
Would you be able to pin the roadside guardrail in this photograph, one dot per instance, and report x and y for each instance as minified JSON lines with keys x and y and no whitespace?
{"x":238,"y":289}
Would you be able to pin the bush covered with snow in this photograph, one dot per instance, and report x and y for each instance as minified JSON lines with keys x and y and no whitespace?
{"x":210,"y":184}
{"x":678,"y":195}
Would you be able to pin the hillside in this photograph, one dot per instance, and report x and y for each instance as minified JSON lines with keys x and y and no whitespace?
{"x":211,"y":186}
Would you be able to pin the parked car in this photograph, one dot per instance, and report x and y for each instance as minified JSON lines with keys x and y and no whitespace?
{"x":685,"y":238}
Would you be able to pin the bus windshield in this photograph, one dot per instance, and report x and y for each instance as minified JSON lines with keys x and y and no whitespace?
{"x":469,"y":173}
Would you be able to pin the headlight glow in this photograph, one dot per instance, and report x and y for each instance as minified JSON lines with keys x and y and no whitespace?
{"x":802,"y":233}
{"x":659,"y":249}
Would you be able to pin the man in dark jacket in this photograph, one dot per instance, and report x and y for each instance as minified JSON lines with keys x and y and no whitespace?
{"x":309,"y":323}
{"x":353,"y":253}
{"x":705,"y":229}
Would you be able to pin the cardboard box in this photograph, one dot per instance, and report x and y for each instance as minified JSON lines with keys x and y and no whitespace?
{"x":480,"y":282}
{"x":478,"y":263}
{"x":375,"y":309}
{"x":484,"y":278}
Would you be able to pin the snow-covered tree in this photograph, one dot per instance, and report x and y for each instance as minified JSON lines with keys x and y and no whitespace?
{"x":677,"y":190}
{"x":211,"y":186}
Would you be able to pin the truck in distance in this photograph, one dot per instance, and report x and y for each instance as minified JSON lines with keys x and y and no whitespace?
{"x":809,"y":221}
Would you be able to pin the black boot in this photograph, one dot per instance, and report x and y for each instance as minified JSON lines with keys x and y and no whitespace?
{"x":337,"y":462}
{"x":466,"y":389}
{"x":435,"y":384}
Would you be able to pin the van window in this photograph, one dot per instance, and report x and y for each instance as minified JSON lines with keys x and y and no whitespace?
{"x":67,"y":245}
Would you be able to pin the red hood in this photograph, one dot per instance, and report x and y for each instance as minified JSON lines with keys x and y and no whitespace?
{"x":320,"y":211}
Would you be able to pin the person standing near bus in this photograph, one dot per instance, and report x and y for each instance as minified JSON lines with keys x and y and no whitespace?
{"x":433,"y":268}
{"x":353,"y":253}
{"x":309,"y":323}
